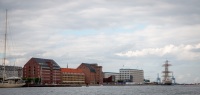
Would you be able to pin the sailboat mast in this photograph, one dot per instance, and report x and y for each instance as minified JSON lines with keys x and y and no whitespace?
{"x":5,"y":46}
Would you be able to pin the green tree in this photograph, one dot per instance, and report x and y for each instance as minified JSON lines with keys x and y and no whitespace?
{"x":28,"y":80}
{"x":37,"y":80}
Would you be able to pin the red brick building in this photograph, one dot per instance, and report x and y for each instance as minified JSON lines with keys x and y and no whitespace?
{"x":47,"y":70}
{"x":93,"y":73}
{"x":72,"y":76}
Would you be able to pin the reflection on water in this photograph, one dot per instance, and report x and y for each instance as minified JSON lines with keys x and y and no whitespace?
{"x":104,"y":90}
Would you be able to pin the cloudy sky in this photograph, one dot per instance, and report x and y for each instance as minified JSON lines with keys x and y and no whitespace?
{"x":137,"y":34}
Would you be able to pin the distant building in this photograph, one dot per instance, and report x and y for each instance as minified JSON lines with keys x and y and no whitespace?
{"x":93,"y":73}
{"x":72,"y":76}
{"x":132,"y":75}
{"x":115,"y":76}
{"x":109,"y":80}
{"x":11,"y":71}
{"x":46,"y":70}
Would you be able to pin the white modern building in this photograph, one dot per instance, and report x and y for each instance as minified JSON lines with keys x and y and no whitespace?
{"x":11,"y":71}
{"x":132,"y":75}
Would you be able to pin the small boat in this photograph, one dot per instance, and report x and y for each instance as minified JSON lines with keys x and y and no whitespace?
{"x":12,"y":82}
{"x":9,"y":82}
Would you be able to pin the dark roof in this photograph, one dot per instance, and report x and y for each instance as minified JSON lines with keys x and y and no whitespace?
{"x":43,"y":63}
{"x":89,"y":67}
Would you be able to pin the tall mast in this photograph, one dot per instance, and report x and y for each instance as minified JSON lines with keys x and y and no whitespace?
{"x":5,"y":44}
{"x":166,"y":72}
{"x":158,"y":78}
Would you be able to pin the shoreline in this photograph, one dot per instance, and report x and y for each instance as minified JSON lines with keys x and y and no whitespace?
{"x":77,"y":85}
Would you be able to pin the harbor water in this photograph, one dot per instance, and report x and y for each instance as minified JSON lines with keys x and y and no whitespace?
{"x":105,"y":90}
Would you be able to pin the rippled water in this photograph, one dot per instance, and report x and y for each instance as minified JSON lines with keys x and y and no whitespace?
{"x":104,"y":90}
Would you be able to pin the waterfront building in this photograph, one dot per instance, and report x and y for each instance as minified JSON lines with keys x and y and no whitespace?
{"x":11,"y":71}
{"x":109,"y":80}
{"x":72,"y":76}
{"x":93,"y":73}
{"x":46,"y":70}
{"x":115,"y":76}
{"x":132,"y":75}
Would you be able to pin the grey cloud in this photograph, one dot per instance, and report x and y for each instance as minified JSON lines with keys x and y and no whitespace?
{"x":83,"y":14}
{"x":196,"y":50}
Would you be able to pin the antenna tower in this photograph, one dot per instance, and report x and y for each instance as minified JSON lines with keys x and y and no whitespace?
{"x":158,"y":79}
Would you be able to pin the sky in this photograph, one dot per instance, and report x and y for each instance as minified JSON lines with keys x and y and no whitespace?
{"x":134,"y":34}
